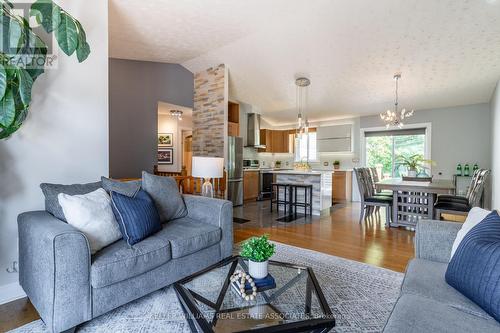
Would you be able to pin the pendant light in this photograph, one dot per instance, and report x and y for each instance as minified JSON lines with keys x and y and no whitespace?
{"x":395,"y":117}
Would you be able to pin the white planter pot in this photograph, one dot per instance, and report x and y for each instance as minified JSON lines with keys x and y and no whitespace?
{"x":412,"y":173}
{"x":257,"y":270}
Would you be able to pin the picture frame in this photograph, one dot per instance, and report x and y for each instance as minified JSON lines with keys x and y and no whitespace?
{"x":165,"y":139}
{"x":166,"y":156}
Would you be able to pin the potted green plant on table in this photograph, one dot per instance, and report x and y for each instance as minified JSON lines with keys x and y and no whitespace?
{"x":413,"y":163}
{"x":257,"y":250}
{"x":336,"y":164}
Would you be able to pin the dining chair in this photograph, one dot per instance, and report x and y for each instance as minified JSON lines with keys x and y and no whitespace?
{"x":376,"y":179}
{"x":462,"y":205}
{"x":369,"y":199}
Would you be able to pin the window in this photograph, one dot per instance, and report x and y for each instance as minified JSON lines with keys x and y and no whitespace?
{"x":382,"y":149}
{"x":301,"y":148}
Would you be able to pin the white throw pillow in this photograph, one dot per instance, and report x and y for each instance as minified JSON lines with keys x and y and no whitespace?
{"x":475,"y":216}
{"x":92,"y":214}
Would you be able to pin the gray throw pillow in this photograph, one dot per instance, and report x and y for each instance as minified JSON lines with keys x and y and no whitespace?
{"x":51,"y":191}
{"x":129,"y":188}
{"x":166,"y":196}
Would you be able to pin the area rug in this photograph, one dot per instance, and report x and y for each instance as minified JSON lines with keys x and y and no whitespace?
{"x":361,"y":297}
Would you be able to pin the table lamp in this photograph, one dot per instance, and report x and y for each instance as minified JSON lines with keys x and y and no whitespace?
{"x":207,"y":168}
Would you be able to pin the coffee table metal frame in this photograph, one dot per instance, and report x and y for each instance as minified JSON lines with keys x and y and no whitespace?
{"x":198,"y":323}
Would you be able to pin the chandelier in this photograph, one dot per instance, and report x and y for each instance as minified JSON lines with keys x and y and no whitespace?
{"x":395,"y":118}
{"x":302,"y":84}
{"x":176,"y":113}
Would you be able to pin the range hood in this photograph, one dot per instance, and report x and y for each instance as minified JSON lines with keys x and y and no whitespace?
{"x":253,"y":131}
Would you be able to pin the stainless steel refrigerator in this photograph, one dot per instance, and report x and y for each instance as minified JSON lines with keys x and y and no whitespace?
{"x":235,"y":170}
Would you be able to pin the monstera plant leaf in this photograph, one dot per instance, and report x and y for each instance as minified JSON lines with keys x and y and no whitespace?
{"x":23,"y":55}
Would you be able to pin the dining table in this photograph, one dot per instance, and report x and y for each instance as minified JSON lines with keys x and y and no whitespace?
{"x":414,"y":200}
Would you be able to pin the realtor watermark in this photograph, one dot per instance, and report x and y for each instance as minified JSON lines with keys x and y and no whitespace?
{"x":31,"y":48}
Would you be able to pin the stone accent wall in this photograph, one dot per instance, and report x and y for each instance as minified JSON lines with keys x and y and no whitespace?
{"x":210,"y":112}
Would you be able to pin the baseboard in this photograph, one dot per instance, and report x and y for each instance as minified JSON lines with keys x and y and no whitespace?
{"x":10,"y":292}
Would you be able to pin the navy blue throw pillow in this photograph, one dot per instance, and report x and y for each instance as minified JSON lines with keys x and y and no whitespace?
{"x":474,"y":270}
{"x":137,"y":216}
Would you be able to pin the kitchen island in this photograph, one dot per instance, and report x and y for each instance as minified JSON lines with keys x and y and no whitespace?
{"x":321,"y":182}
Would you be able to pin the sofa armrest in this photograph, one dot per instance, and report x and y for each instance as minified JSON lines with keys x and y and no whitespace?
{"x":434,"y":239}
{"x":54,"y":269}
{"x":216,"y":212}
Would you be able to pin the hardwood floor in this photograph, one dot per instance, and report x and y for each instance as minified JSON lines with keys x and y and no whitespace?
{"x":337,"y":234}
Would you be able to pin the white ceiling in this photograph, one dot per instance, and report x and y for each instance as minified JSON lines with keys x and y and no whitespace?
{"x":447,"y":50}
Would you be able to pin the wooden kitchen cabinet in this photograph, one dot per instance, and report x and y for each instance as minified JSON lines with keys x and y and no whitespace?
{"x":276,"y":141}
{"x":233,"y":129}
{"x":250,"y":185}
{"x":341,"y":186}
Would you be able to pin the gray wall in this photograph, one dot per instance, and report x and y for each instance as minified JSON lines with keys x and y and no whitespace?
{"x":459,"y":135}
{"x":495,"y":147}
{"x":135,"y":88}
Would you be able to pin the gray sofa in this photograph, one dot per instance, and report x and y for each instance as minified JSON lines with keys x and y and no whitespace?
{"x":427,"y":303}
{"x":68,"y":286}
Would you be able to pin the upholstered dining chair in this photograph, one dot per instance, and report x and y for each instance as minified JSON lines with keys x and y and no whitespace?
{"x":458,"y":205}
{"x":369,"y":199}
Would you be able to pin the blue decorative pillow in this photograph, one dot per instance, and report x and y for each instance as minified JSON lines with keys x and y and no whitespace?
{"x":137,"y":216}
{"x":474,"y":270}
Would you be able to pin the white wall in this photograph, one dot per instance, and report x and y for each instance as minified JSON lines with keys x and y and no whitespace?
{"x":169,"y":124}
{"x":495,"y":147}
{"x":64,"y":139}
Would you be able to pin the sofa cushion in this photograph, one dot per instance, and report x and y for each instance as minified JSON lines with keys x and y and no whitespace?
{"x":119,"y":261}
{"x":187,"y":236}
{"x":416,"y":314}
{"x":51,"y":191}
{"x":166,"y":196}
{"x":426,"y":278}
{"x":474,"y":270}
{"x":137,"y":216}
{"x":129,"y":188}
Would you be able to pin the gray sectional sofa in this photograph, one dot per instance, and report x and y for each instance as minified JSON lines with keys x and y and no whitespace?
{"x":68,"y":286}
{"x":427,"y":303}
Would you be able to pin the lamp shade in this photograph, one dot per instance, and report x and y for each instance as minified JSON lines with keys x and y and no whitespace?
{"x":208,"y":167}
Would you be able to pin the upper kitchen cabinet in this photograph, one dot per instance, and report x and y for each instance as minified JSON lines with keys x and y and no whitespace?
{"x":233,"y":118}
{"x":334,"y":139}
{"x":276,"y":141}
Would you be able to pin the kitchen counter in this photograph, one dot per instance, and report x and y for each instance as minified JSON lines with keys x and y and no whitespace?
{"x":320,"y":180}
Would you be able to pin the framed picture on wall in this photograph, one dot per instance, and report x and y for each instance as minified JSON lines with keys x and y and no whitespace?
{"x":165,"y":140}
{"x":166,"y":156}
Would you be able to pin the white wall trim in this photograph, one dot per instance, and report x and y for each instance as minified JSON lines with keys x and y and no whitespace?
{"x":10,"y":292}
{"x":428,"y":138}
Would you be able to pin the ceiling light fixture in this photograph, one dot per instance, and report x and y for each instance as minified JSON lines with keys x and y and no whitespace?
{"x":176,"y":113}
{"x":302,"y":84}
{"x":395,"y":118}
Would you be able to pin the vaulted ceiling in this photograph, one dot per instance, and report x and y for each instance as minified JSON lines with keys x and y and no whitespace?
{"x":448,"y":50}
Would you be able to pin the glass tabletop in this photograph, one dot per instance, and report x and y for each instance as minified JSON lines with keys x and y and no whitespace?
{"x":213,"y":304}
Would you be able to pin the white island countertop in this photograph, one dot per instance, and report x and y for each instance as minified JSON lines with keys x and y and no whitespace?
{"x":301,"y":172}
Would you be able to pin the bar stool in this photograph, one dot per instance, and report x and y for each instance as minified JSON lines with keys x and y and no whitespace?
{"x":307,"y":203}
{"x":287,"y":203}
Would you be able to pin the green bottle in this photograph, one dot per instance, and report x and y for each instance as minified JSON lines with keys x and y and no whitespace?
{"x":466,"y":170}
{"x":459,"y":169}
{"x":475,"y":168}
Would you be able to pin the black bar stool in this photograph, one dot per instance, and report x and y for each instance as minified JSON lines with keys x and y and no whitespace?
{"x":287,"y":202}
{"x":307,"y":203}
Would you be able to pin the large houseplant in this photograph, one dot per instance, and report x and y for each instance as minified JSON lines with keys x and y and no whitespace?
{"x":257,"y":250}
{"x":413,"y":163}
{"x":23,"y":55}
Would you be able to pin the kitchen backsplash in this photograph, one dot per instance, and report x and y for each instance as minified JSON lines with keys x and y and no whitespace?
{"x":325,"y":162}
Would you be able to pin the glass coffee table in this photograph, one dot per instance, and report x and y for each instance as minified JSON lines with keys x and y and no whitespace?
{"x":296,"y":304}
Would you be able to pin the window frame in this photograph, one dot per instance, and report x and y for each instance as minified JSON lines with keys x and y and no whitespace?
{"x":316,"y":153}
{"x":428,"y":139}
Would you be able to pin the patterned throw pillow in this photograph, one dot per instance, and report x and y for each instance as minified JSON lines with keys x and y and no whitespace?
{"x":137,"y":216}
{"x":474,"y":270}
